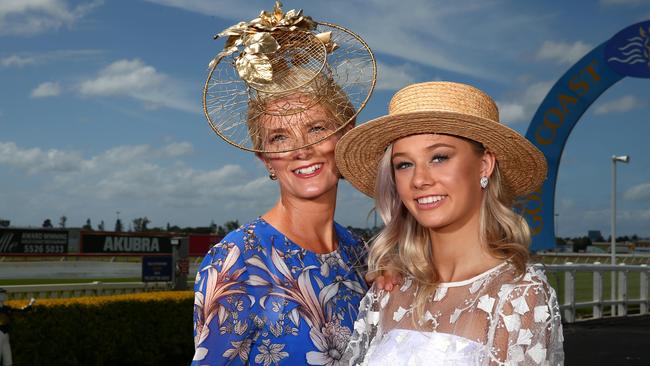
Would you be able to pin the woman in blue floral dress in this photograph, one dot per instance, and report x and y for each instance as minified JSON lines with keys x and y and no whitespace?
{"x":284,"y":289}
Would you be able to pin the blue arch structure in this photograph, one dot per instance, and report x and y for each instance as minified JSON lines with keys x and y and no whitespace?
{"x":626,"y":54}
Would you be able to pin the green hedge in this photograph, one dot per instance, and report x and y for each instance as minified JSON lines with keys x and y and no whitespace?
{"x":123,"y":332}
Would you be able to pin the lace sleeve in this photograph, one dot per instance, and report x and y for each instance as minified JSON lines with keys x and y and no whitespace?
{"x":529,"y":329}
{"x":365,"y":329}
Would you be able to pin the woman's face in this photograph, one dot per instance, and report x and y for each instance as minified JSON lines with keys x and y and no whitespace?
{"x":438,"y":179}
{"x":309,"y":172}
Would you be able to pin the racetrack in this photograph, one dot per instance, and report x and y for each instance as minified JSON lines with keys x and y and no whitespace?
{"x":72,"y":270}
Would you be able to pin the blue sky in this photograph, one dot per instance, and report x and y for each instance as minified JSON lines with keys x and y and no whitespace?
{"x":100,"y":103}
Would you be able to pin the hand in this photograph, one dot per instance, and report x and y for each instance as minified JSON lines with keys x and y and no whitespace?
{"x":387,"y":280}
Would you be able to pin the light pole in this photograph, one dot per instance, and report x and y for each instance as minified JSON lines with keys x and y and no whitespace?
{"x":622,"y":159}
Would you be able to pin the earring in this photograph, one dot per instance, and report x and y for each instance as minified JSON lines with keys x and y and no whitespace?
{"x":484,"y":182}
{"x":272,"y":176}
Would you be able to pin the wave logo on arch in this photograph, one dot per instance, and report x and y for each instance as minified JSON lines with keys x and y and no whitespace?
{"x":628,"y":52}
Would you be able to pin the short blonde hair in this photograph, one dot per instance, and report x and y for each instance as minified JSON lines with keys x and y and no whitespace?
{"x":323,"y":91}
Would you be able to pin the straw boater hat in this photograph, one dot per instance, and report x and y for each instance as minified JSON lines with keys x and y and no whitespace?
{"x":443,"y":108}
{"x":277,"y":71}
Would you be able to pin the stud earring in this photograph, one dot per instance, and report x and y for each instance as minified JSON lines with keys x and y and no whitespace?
{"x":484,"y":182}
{"x":272,"y":176}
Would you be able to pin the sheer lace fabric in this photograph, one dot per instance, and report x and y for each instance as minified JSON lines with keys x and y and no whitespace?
{"x":495,"y":318}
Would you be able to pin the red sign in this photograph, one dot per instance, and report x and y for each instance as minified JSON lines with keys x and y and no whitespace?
{"x":200,"y":244}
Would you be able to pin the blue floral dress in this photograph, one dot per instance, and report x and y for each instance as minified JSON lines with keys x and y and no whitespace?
{"x":261,"y":299}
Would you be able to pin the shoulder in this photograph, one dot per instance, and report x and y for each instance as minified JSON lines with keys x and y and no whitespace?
{"x":351,"y":242}
{"x":529,"y":290}
{"x":345,"y":235}
{"x":238,"y":238}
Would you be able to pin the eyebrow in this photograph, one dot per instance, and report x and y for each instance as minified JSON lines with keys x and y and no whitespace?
{"x":428,"y":148}
{"x":305,"y":126}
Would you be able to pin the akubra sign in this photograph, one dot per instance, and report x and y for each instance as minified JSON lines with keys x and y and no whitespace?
{"x":625,"y":54}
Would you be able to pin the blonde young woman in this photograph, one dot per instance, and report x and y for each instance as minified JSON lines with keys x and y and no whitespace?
{"x":444,"y":173}
{"x":284,"y":288}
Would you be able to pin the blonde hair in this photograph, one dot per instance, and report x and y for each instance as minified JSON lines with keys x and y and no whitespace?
{"x":404,"y":246}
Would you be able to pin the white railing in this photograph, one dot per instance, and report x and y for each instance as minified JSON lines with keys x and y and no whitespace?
{"x":591,"y":258}
{"x":619,"y":306}
{"x":82,"y":289}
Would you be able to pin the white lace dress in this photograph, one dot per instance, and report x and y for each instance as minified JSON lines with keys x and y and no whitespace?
{"x":495,"y":318}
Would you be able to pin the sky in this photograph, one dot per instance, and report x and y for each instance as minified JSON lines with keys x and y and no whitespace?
{"x":100,"y":103}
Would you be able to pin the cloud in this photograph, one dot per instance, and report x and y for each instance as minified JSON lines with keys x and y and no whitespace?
{"x":30,"y":59}
{"x":16,"y":61}
{"x":139,"y":172}
{"x":451,"y":36}
{"x":35,"y":160}
{"x":137,"y":80}
{"x":47,"y":89}
{"x":29,"y":17}
{"x":638,"y":193}
{"x":524,"y":104}
{"x":394,"y":77}
{"x":563,"y":53}
{"x":622,"y":104}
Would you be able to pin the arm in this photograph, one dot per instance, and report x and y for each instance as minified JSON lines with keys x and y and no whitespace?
{"x":223,"y":327}
{"x":365,"y":328}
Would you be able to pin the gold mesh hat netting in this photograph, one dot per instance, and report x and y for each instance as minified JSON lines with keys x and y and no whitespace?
{"x":284,"y":82}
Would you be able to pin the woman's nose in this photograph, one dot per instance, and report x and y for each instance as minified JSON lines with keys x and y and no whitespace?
{"x":422,"y":177}
{"x":303,"y":153}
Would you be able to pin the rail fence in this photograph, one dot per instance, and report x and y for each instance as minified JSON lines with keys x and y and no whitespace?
{"x":592,"y":258}
{"x":583,"y":295}
{"x":97,"y":288}
{"x":584,"y":290}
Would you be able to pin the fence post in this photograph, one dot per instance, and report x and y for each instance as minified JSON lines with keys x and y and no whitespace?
{"x":598,"y":294}
{"x":622,"y":292}
{"x":643,"y":294}
{"x":570,"y":295}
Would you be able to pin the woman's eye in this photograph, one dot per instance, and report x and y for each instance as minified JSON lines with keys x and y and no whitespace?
{"x":277,"y":138}
{"x":317,"y":129}
{"x":439,"y":158}
{"x":402,"y":165}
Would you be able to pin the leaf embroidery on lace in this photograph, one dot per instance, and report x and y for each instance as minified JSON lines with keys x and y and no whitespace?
{"x":520,"y":305}
{"x":486,"y":303}
{"x":440,"y":293}
{"x":541,"y":313}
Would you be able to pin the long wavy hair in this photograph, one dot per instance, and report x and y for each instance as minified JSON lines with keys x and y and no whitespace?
{"x":404,"y":246}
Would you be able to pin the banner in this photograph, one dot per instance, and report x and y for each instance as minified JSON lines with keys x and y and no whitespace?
{"x":33,"y":241}
{"x":124,"y":243}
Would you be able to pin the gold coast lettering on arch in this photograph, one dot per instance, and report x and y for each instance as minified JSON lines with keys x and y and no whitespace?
{"x":554,"y":116}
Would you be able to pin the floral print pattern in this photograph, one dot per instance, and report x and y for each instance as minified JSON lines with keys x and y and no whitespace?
{"x":262,"y":299}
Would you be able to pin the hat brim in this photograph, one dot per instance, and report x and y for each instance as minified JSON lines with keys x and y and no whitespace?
{"x":522,"y":166}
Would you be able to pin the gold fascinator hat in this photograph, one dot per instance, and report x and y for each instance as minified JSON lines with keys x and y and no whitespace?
{"x":284,"y":81}
{"x":443,"y":108}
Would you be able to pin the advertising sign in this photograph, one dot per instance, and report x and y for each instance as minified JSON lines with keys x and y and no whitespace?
{"x":33,"y":241}
{"x":156,"y":268}
{"x":126,"y":243}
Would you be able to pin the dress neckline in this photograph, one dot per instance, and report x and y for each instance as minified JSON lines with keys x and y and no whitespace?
{"x":336,"y":230}
{"x":473,"y":279}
